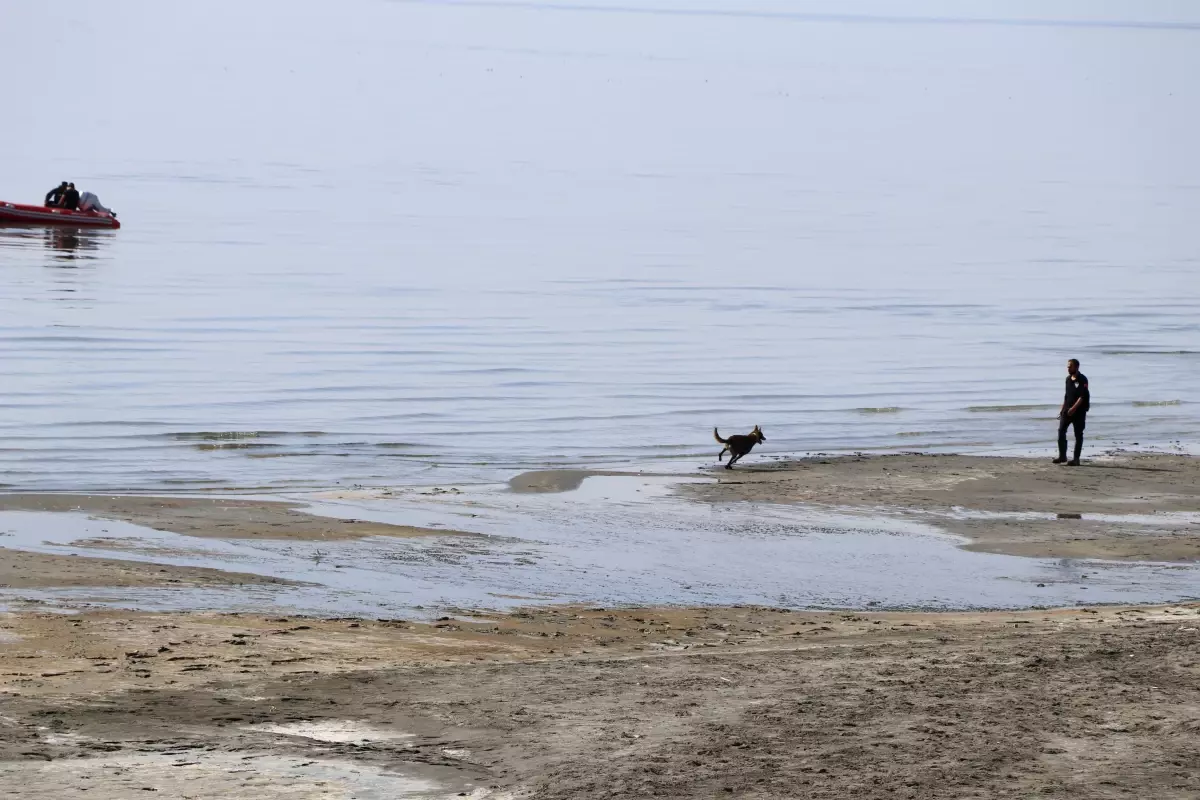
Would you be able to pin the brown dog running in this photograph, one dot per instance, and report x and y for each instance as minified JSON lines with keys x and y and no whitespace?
{"x":738,"y":445}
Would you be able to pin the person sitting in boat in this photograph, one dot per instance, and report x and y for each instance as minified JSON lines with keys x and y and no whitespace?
{"x":89,"y":202}
{"x":70,"y":198}
{"x":55,"y":195}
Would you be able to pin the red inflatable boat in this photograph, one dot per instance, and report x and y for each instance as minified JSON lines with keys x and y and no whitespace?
{"x":41,"y":215}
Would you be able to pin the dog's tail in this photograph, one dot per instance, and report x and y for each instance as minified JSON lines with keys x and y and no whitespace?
{"x":717,"y":436}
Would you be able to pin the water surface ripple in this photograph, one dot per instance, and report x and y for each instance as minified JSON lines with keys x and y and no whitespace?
{"x":412,"y":242}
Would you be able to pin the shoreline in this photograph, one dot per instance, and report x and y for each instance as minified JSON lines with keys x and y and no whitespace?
{"x":215,"y":517}
{"x":1131,"y":507}
{"x":569,"y":702}
{"x":23,"y":569}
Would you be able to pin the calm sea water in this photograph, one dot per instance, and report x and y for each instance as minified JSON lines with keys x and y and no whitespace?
{"x":390,"y":242}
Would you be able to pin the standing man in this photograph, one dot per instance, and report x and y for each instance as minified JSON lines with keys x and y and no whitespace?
{"x":1074,"y":410}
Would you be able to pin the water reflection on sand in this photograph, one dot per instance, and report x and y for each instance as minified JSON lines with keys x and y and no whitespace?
{"x":615,"y":541}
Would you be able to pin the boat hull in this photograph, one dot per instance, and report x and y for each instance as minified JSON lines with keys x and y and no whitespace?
{"x":41,"y":215}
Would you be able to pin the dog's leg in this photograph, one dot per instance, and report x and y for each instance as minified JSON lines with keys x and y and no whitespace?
{"x":721,"y":455}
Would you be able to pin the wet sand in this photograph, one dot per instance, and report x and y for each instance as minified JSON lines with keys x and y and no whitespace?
{"x":933,"y":487}
{"x":213,"y":517}
{"x":591,"y":703}
{"x":583,"y":703}
{"x":548,"y":481}
{"x":23,"y":570}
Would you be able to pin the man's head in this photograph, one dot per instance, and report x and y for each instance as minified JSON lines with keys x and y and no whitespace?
{"x":63,"y":185}
{"x":70,"y":186}
{"x":1073,"y":366}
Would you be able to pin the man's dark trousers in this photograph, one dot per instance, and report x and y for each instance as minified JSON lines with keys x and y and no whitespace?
{"x":1079,"y":420}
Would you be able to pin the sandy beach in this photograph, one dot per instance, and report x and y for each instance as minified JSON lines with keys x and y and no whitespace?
{"x":612,"y":702}
{"x":24,"y":570}
{"x":597,"y":703}
{"x":218,"y":517}
{"x":1118,"y":507}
